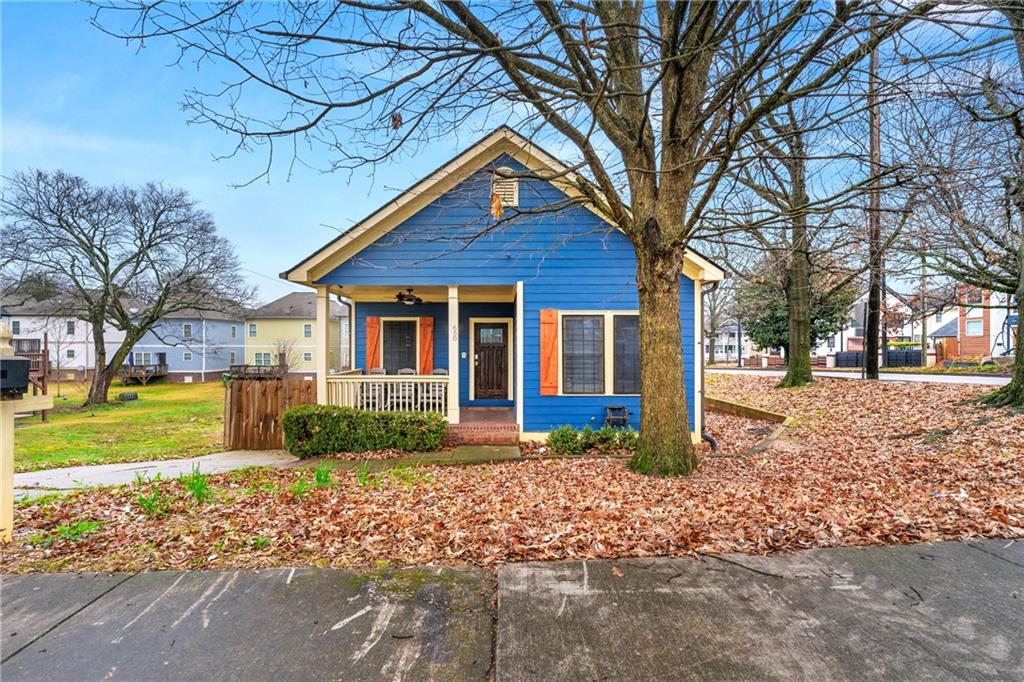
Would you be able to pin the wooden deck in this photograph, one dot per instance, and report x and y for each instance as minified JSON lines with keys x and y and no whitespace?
{"x":141,"y":373}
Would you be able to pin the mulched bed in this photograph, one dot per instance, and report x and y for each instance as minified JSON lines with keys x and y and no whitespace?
{"x":877,"y":463}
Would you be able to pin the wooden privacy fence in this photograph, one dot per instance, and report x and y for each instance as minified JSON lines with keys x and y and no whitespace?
{"x":253,"y":410}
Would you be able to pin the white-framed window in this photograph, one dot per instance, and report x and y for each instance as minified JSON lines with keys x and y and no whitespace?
{"x":70,"y":353}
{"x":262,"y":359}
{"x":599,"y":353}
{"x":252,"y":330}
{"x":15,"y":327}
{"x":144,"y":358}
{"x":234,"y":331}
{"x":307,"y":331}
{"x":975,"y":328}
{"x":70,"y":327}
{"x":307,"y":357}
{"x":186,"y":331}
{"x":938,"y":315}
{"x":186,"y":356}
{"x":231,"y":357}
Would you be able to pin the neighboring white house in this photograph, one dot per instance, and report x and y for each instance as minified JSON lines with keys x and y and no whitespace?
{"x":69,"y":340}
{"x":905,"y":320}
{"x":730,"y":344}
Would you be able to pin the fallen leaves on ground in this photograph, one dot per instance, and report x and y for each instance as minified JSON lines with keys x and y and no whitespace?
{"x":867,"y":463}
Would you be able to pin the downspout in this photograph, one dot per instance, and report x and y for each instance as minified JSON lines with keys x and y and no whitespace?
{"x":704,"y":435}
{"x":203,"y":322}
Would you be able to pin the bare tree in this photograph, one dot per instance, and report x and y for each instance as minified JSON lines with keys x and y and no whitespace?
{"x":127,"y":256}
{"x":646,"y":96}
{"x":285,"y":354}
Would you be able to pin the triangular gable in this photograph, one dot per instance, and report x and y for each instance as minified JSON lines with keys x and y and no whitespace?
{"x":504,"y":140}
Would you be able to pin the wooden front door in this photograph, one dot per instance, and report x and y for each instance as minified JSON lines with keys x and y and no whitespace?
{"x":490,"y":364}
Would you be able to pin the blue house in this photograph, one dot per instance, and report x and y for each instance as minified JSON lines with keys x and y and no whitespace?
{"x":528,"y":321}
{"x":189,"y":346}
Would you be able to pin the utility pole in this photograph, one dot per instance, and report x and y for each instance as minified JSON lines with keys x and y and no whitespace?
{"x":871,"y":332}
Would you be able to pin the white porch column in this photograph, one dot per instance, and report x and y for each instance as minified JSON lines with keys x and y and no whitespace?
{"x":322,"y":336}
{"x":519,"y":336}
{"x":453,"y":355}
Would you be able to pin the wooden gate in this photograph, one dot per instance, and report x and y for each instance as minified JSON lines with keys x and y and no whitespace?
{"x":253,"y":409}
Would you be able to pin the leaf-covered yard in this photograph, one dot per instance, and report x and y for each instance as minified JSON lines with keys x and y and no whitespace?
{"x":866,"y":464}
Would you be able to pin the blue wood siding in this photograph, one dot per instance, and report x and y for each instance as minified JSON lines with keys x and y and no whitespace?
{"x":567,"y":260}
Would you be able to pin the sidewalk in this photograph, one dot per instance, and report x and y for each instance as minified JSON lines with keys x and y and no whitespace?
{"x":883,"y":376}
{"x":35,"y":483}
{"x":945,"y":611}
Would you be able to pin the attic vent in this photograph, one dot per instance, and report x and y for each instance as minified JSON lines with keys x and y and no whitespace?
{"x":507,"y":189}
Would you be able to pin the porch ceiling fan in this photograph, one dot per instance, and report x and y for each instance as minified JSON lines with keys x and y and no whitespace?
{"x":408,"y":298}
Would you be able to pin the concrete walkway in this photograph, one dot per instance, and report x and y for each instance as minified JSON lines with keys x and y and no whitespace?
{"x":944,"y":611}
{"x":35,"y":483}
{"x":883,"y":376}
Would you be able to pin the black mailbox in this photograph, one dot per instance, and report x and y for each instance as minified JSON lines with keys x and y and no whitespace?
{"x":13,"y":376}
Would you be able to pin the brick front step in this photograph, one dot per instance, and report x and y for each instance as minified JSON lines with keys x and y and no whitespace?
{"x":482,"y":434}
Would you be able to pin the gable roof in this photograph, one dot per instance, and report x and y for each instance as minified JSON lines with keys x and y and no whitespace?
{"x":298,"y":305}
{"x":501,"y":141}
{"x":951,"y":328}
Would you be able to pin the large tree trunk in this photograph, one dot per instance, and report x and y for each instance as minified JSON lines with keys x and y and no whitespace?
{"x":798,"y":303}
{"x":664,"y":447}
{"x":798,"y":281}
{"x":105,"y":372}
{"x":1013,"y":392}
{"x":101,"y":377}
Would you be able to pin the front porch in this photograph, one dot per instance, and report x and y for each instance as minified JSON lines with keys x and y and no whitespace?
{"x":455,"y":350}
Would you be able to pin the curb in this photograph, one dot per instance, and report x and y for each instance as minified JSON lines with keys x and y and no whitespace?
{"x":785,"y":422}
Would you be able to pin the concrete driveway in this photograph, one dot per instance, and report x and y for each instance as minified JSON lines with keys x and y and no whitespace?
{"x":945,"y":611}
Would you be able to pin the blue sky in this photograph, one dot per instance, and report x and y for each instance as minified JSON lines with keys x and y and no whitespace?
{"x":77,"y":99}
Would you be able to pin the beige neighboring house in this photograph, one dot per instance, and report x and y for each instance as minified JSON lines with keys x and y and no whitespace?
{"x":286,"y":327}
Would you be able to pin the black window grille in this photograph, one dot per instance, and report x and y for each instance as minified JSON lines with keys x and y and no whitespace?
{"x":627,"y":354}
{"x":583,"y":354}
{"x":399,"y":345}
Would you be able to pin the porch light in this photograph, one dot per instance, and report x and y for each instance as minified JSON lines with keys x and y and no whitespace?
{"x":408,"y":298}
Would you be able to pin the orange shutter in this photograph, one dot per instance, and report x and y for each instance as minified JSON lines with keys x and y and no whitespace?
{"x":372,"y":342}
{"x":549,"y":352}
{"x":426,"y":345}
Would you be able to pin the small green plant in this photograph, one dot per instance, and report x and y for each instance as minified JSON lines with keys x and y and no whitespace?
{"x":364,"y":477}
{"x":606,"y":438}
{"x":72,"y":532}
{"x":322,"y":475}
{"x":407,"y":475}
{"x":259,"y":542}
{"x":140,"y":477}
{"x":300,"y":488}
{"x":153,"y":504}
{"x":565,"y":441}
{"x":198,"y":484}
{"x":627,"y":439}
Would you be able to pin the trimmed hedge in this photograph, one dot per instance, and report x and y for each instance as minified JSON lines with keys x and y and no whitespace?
{"x":319,"y":430}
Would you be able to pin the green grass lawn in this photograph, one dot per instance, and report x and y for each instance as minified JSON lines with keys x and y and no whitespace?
{"x":166,"y":422}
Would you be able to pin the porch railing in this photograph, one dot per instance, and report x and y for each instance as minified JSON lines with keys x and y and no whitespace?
{"x":390,"y":393}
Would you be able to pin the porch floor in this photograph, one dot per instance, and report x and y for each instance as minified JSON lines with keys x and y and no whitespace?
{"x":487,"y":415}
